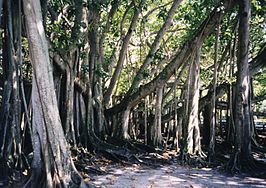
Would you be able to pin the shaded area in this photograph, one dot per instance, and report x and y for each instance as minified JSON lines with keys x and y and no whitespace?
{"x":172,"y":176}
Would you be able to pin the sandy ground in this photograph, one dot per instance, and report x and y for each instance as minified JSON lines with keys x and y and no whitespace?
{"x":171,"y":176}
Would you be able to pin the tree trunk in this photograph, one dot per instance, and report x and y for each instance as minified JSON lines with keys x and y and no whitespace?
{"x":10,"y":130}
{"x":242,"y":152}
{"x":95,"y":68}
{"x":213,"y":100}
{"x":156,"y":127}
{"x":146,"y":101}
{"x":68,"y":104}
{"x":206,"y":126}
{"x":52,"y":164}
{"x":193,"y":145}
{"x":120,"y":124}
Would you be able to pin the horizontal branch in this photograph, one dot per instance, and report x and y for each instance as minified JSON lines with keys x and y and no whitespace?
{"x":181,"y":57}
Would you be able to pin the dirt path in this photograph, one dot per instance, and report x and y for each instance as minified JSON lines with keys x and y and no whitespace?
{"x":171,"y":176}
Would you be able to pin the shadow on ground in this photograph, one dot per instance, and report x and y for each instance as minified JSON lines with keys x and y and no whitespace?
{"x":171,"y":176}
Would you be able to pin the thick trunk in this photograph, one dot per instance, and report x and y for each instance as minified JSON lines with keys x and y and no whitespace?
{"x":49,"y":144}
{"x":125,"y":122}
{"x":68,"y":99}
{"x":242,"y":153}
{"x":120,"y":125}
{"x":242,"y":116}
{"x":95,"y":67}
{"x":156,"y":127}
{"x":98,"y":108}
{"x":193,"y":145}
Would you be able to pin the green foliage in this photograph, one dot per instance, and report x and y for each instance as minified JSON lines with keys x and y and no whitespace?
{"x":187,"y":19}
{"x":145,"y":73}
{"x":191,"y":14}
{"x":257,"y":26}
{"x":162,"y":14}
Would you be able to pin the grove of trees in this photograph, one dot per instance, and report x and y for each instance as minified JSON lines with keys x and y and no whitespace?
{"x":120,"y":78}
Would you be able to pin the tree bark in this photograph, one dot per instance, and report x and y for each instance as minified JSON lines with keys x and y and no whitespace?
{"x":193,"y":145}
{"x":95,"y":67}
{"x":10,"y":130}
{"x":157,"y":123}
{"x":52,"y":160}
{"x":213,"y":100}
{"x":242,"y":153}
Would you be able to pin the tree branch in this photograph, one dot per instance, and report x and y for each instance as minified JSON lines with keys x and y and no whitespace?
{"x":202,"y":33}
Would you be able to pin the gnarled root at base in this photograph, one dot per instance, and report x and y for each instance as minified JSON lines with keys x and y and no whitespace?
{"x":245,"y":164}
{"x":198,"y":159}
{"x":73,"y":179}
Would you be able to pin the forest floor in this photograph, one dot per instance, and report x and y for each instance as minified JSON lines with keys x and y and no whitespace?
{"x":166,"y":171}
{"x":137,"y":176}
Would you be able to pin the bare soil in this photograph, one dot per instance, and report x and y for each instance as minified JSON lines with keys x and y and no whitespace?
{"x":169,"y":176}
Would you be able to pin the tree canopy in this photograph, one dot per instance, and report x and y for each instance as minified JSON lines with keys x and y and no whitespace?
{"x":120,"y":78}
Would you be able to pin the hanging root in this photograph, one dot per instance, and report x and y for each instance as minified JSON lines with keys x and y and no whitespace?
{"x":233,"y":165}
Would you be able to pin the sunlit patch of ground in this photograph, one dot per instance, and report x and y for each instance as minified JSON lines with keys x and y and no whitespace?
{"x":171,"y":176}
